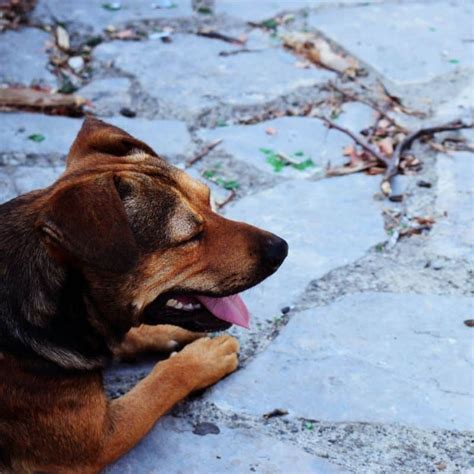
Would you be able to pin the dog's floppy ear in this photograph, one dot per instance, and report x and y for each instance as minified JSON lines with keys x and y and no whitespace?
{"x":96,"y":136}
{"x":87,"y":223}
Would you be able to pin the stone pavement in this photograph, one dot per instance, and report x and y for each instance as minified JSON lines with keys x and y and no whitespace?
{"x":360,"y":337}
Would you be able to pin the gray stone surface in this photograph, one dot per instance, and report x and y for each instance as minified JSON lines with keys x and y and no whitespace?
{"x":24,"y":58}
{"x":173,"y":448}
{"x":210,"y":80}
{"x":370,"y":357}
{"x":408,"y":42}
{"x":23,"y":179}
{"x":453,"y":236}
{"x":107,"y":96}
{"x":91,"y":15}
{"x":169,"y":138}
{"x":293,"y":134}
{"x":325,"y":227}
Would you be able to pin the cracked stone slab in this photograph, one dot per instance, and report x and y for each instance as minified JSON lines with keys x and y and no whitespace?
{"x":453,"y":233}
{"x":108,"y":96}
{"x":23,"y":179}
{"x":91,"y":15}
{"x":169,"y":138}
{"x":173,"y":447}
{"x":369,"y":357}
{"x":293,"y":134}
{"x":24,"y":58}
{"x":415,"y":41}
{"x":210,"y":80}
{"x":327,"y":223}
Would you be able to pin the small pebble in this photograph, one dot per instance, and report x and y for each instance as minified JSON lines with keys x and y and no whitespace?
{"x":205,"y":428}
{"x":423,"y":184}
{"x":285,"y":310}
{"x":469,"y":323}
{"x":128,"y":112}
{"x":76,"y":63}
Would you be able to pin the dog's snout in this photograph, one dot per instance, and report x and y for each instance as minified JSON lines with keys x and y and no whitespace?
{"x":275,"y":251}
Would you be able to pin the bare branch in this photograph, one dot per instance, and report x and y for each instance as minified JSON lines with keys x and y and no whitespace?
{"x":403,"y":146}
{"x":205,"y":151}
{"x":357,"y":139}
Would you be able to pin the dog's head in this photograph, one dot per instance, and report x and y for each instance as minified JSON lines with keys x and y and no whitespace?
{"x":144,"y":236}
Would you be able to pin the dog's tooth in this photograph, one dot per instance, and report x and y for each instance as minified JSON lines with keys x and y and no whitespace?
{"x":196,"y":306}
{"x":171,"y":302}
{"x":178,"y":305}
{"x":188,"y":307}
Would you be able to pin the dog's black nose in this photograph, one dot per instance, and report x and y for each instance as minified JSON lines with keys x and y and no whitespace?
{"x":275,"y":251}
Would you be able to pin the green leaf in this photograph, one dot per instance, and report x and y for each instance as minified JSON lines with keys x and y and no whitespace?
{"x":221,"y":123}
{"x":270,"y":24}
{"x":112,"y":7}
{"x":205,"y":10}
{"x":37,"y":137}
{"x":267,"y":151}
{"x":454,"y":61}
{"x":298,"y":153}
{"x":277,"y":163}
{"x":209,"y":174}
{"x":309,"y":163}
{"x":379,"y":248}
{"x":231,"y":184}
{"x":308,"y":425}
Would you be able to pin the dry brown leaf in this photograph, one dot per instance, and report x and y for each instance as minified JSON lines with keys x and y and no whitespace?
{"x":319,"y":51}
{"x":62,"y":38}
{"x":425,"y":220}
{"x":128,"y":34}
{"x":33,"y":99}
{"x":271,"y":131}
{"x":386,"y":146}
{"x":375,"y":170}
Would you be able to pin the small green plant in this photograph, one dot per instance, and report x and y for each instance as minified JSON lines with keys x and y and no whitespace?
{"x":36,"y":137}
{"x":214,"y":176}
{"x":308,"y":425}
{"x":112,"y":6}
{"x":278,"y":161}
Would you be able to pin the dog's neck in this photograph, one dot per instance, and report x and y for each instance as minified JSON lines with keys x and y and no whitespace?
{"x":43,"y":303}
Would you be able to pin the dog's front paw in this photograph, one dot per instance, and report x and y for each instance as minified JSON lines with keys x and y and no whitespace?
{"x":208,"y":360}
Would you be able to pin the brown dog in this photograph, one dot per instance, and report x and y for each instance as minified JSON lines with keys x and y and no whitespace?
{"x":122,"y":238}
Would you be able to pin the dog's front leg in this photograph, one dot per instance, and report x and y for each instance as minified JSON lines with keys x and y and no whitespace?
{"x":160,"y":338}
{"x":197,"y":366}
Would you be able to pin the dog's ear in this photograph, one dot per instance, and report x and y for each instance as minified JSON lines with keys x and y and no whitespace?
{"x":87,"y":223}
{"x":96,"y":137}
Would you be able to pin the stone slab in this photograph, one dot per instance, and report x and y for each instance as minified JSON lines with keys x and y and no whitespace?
{"x":453,"y":233}
{"x":170,"y":138}
{"x":108,"y":96}
{"x":92,"y":16}
{"x":24,"y":58}
{"x":251,"y":10}
{"x":293,"y":134}
{"x":23,"y":179}
{"x":370,"y":357}
{"x":415,"y":41}
{"x":327,"y":223}
{"x":210,"y":80}
{"x":172,"y":447}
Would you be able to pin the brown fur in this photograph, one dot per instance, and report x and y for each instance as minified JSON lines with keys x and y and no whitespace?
{"x":81,"y":265}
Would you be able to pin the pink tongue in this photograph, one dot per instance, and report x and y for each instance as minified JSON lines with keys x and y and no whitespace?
{"x":230,"y":308}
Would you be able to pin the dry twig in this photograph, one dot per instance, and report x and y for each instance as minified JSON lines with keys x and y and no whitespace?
{"x":404,"y":145}
{"x":209,"y":33}
{"x":38,"y":100}
{"x":226,"y":201}
{"x":357,"y":139}
{"x":205,"y":151}
{"x":356,"y":98}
